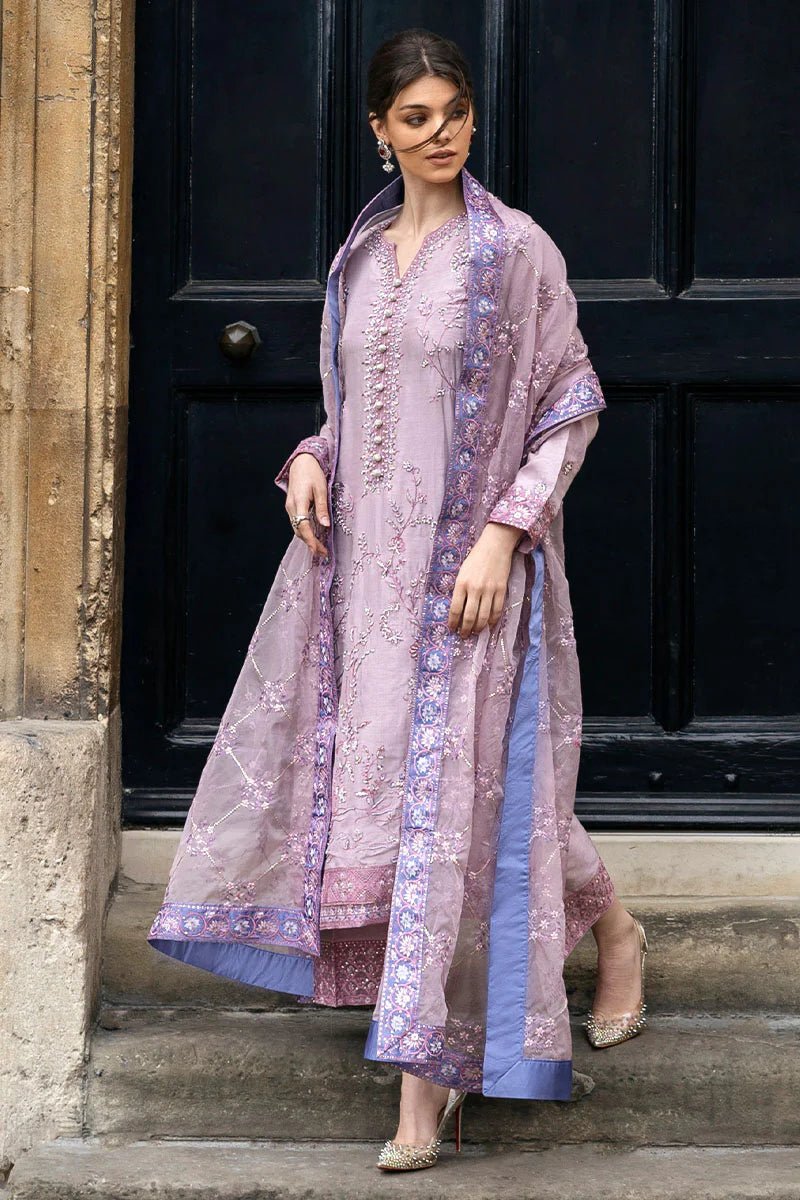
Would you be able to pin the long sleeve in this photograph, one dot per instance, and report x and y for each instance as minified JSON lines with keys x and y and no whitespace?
{"x":321,"y":444}
{"x":565,"y":399}
{"x":538,"y":490}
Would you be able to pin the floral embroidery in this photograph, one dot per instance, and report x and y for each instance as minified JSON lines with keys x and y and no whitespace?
{"x":547,"y":297}
{"x":348,"y":972}
{"x":255,"y":924}
{"x":540,"y":1036}
{"x":356,"y":896}
{"x":582,"y":397}
{"x":586,"y":905}
{"x":525,"y":507}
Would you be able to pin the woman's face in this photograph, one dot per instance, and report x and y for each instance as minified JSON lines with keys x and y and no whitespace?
{"x":417,"y":111}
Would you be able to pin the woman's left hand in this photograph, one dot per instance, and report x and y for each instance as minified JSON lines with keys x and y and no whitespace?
{"x":481,"y":583}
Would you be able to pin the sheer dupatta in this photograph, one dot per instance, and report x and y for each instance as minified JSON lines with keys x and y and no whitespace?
{"x":472,"y":991}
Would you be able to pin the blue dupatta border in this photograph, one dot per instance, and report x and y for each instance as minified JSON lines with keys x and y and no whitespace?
{"x":506,"y":1071}
{"x":293,"y":973}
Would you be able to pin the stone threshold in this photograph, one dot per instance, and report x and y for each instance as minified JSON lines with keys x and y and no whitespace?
{"x":654,"y":865}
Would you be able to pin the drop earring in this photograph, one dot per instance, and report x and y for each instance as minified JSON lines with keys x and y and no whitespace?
{"x":385,"y":152}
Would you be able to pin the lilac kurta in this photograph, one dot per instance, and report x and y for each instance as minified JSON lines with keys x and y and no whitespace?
{"x":386,"y":815}
{"x":400,"y":355}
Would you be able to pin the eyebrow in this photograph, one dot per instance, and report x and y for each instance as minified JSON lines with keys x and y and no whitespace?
{"x":450,"y":101}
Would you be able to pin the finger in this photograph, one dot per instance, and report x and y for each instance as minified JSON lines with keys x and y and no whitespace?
{"x":484,"y":610}
{"x":456,"y":606}
{"x":470,"y":613}
{"x":314,"y":545}
{"x":302,"y":498}
{"x":306,"y":534}
{"x":319,"y":546}
{"x":299,"y":500}
{"x":321,"y":503}
{"x":497,"y":606}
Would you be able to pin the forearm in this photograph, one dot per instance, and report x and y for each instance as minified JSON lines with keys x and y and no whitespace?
{"x":504,"y":537}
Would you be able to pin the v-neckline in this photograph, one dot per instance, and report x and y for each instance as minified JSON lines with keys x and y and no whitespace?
{"x":393,"y":245}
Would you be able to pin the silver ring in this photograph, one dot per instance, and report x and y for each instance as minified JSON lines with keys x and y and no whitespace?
{"x":297,"y":518}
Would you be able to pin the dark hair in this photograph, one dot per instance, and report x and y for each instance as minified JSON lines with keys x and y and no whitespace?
{"x":405,"y":57}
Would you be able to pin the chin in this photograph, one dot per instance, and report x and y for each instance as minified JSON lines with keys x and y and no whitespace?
{"x":444,"y":173}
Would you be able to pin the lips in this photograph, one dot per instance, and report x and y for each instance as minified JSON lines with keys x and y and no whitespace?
{"x":442,"y":155}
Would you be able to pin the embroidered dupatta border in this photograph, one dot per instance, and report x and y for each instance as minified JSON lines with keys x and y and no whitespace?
{"x":399,"y":1036}
{"x":395,"y":1035}
{"x":504,"y":1069}
{"x":581,"y":397}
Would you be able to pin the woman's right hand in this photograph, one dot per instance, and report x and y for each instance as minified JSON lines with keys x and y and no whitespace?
{"x":307,"y":492}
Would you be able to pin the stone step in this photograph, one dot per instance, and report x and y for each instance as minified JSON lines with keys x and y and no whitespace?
{"x":697,"y":1079}
{"x":72,"y":1169}
{"x":705,"y":955}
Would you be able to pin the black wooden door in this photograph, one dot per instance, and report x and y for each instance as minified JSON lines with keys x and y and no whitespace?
{"x":657,"y":143}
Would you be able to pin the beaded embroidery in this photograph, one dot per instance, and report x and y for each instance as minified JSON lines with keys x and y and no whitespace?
{"x":383,"y":346}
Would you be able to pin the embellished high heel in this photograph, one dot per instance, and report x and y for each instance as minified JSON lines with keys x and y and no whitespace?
{"x":398,"y":1156}
{"x":628,"y":1024}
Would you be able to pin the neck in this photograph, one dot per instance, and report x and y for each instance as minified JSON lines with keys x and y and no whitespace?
{"x":426,"y":205}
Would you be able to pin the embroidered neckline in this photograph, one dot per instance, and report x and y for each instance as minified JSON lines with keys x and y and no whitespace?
{"x":432,"y":236}
{"x":382,"y":339}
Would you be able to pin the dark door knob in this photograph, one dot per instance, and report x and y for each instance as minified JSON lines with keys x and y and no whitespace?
{"x":239,"y":340}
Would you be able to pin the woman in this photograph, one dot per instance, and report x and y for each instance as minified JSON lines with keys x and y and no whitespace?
{"x":431,"y":866}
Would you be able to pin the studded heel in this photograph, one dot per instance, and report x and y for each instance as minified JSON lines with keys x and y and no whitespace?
{"x":397,"y":1156}
{"x":628,"y":1024}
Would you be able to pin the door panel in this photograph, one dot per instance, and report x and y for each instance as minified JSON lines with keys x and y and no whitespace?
{"x":655,"y":141}
{"x":747,"y":132}
{"x":747,"y":652}
{"x":254,"y":143}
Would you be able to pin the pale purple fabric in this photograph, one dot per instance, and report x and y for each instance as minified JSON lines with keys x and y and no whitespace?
{"x":458,"y":394}
{"x":396,"y":429}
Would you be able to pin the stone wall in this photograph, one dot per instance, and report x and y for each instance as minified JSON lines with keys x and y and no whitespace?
{"x":66,"y":133}
{"x":58,"y":856}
